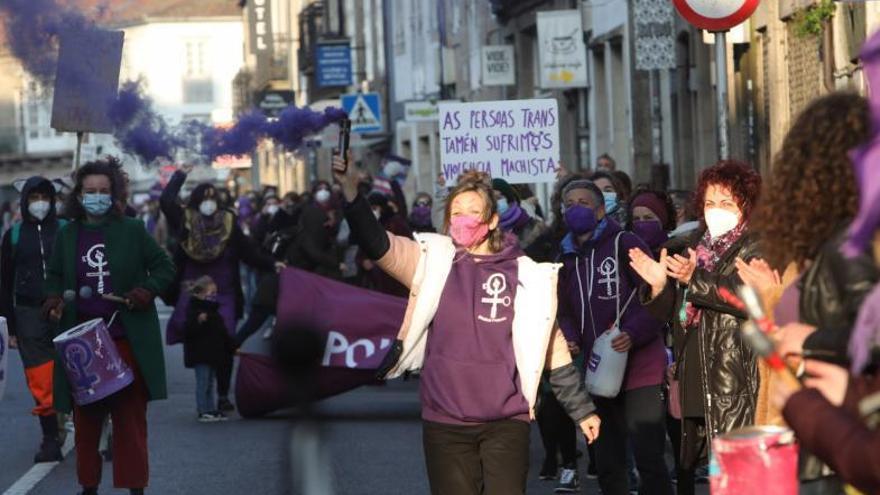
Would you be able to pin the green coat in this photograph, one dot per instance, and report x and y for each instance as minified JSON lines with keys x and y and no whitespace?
{"x":135,"y":261}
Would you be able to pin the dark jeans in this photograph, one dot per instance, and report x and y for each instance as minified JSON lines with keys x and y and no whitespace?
{"x":638,"y":418}
{"x":558,"y":432}
{"x":224,"y":376}
{"x":254,"y":322}
{"x":489,"y":459}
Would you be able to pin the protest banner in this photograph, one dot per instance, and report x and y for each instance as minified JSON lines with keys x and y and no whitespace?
{"x":86,"y":81}
{"x":357,"y":327}
{"x":516,"y":140}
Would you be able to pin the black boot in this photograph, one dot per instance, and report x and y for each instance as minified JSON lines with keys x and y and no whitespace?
{"x":50,"y":448}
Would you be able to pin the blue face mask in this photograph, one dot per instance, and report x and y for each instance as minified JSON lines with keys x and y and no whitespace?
{"x":96,"y":204}
{"x":502,"y":205}
{"x":610,"y":201}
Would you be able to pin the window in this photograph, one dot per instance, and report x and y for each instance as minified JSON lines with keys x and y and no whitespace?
{"x":198,"y":87}
{"x":198,"y":91}
{"x":196,"y":59}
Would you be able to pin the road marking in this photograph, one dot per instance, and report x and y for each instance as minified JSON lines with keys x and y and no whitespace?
{"x":36,"y":474}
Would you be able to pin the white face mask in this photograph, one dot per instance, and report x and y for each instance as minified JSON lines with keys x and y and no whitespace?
{"x":272,"y":209}
{"x":720,"y":221}
{"x":208,"y":207}
{"x":322,"y":196}
{"x":39,"y":209}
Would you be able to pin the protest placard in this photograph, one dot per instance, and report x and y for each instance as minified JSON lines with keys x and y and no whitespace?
{"x":516,"y":140}
{"x":87,"y":80}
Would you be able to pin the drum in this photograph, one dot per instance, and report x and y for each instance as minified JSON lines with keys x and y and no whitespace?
{"x":94,"y":368}
{"x":757,"y":459}
{"x":4,"y":354}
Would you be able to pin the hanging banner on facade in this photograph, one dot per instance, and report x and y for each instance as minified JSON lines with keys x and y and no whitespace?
{"x":654,"y":34}
{"x":514,"y":140}
{"x":259,"y":16}
{"x":333,"y":62}
{"x":498,"y":66}
{"x":562,"y":55}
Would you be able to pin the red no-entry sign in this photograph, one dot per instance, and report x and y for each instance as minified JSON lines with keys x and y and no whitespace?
{"x":715,"y":15}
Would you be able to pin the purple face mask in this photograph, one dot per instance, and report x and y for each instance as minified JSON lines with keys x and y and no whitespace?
{"x":650,"y":231}
{"x":580,"y":219}
{"x":421,"y":216}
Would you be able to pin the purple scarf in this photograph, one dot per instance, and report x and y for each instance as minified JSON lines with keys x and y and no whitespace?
{"x":514,"y":218}
{"x":709,"y":253}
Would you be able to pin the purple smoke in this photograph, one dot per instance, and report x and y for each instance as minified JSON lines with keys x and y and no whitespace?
{"x":32,"y":30}
{"x":291,"y":128}
{"x":140,"y":131}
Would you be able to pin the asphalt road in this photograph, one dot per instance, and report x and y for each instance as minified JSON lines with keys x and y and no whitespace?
{"x":372,"y":437}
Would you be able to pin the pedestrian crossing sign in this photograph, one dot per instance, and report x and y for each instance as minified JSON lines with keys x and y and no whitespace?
{"x":363,"y":111}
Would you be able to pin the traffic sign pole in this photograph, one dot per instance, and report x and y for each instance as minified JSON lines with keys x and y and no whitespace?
{"x":718,"y":16}
{"x":721,"y":93}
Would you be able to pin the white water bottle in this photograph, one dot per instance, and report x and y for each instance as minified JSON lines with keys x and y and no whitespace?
{"x":606,"y":367}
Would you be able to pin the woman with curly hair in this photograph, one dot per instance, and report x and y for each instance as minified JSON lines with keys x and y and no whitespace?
{"x":716,"y":371}
{"x":809,"y":200}
{"x":129,"y":264}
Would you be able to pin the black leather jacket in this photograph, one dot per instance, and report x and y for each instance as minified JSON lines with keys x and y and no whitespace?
{"x":832,"y":290}
{"x":730,"y":373}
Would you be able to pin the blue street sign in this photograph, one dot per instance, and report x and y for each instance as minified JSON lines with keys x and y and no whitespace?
{"x":364,"y":112}
{"x":333,"y":62}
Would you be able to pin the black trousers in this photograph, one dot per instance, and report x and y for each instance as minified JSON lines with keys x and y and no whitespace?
{"x":691,"y":453}
{"x":638,"y":418}
{"x":488,"y":459}
{"x":558,"y":432}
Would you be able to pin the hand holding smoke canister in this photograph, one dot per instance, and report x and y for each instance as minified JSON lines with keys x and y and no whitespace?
{"x":344,"y":137}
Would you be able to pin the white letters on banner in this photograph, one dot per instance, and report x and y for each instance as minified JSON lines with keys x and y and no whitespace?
{"x":515,"y":140}
{"x":561,"y":52}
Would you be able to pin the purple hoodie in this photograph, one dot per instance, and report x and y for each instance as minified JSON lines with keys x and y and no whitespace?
{"x":594,"y":263}
{"x":469,"y":375}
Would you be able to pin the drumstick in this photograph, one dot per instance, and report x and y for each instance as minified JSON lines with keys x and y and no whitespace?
{"x":755,"y":330}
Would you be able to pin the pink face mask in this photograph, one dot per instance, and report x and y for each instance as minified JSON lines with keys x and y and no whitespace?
{"x":467,"y":231}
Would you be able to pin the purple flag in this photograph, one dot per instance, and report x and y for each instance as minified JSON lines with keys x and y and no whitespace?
{"x":867,"y":156}
{"x":358,"y":325}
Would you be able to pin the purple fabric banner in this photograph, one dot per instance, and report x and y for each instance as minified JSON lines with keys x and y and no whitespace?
{"x":359,"y":326}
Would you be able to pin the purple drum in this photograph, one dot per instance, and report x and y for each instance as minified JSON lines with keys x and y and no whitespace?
{"x":94,"y":368}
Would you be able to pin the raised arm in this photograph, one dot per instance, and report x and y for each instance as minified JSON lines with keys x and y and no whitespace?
{"x":397,"y":256}
{"x":169,"y":202}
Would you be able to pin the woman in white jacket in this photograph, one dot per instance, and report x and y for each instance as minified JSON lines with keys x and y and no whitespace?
{"x":480,"y":325}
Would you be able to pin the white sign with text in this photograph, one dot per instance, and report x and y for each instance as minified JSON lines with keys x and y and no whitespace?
{"x":498,"y":66}
{"x":514,"y":140}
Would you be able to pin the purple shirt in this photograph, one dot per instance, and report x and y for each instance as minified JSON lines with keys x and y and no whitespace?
{"x":588,"y":294}
{"x":469,"y":374}
{"x":93,"y":270}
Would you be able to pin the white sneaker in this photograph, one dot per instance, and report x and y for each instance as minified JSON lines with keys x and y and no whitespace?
{"x":569,"y":482}
{"x":211,"y":417}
